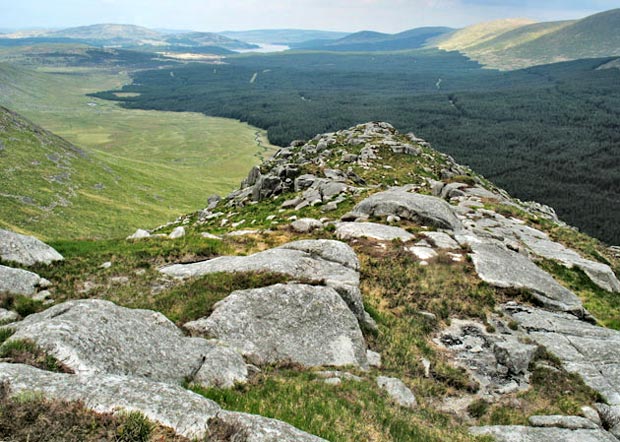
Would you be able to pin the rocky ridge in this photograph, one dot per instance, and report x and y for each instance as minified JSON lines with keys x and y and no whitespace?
{"x":372,"y":189}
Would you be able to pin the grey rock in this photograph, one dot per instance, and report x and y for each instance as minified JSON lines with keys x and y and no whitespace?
{"x":441,"y":240}
{"x":411,"y":206}
{"x":304,"y":181}
{"x":291,"y":203}
{"x":338,"y":374}
{"x":601,"y":274}
{"x":515,"y":433}
{"x":18,"y":281}
{"x":330,"y":189}
{"x":96,"y":336}
{"x":308,"y":266}
{"x":305,"y":225}
{"x":252,"y":428}
{"x":423,"y":253}
{"x":186,"y":412}
{"x":335,"y":175}
{"x":252,"y":177}
{"x":327,"y":249}
{"x":609,"y":415}
{"x":380,"y":232}
{"x":26,"y":250}
{"x":308,"y":325}
{"x":398,"y":391}
{"x":374,"y":358}
{"x":348,"y":158}
{"x":208,"y":235}
{"x":568,"y":422}
{"x":452,"y":190}
{"x":178,"y":232}
{"x":266,"y":186}
{"x":592,"y":415}
{"x":7,"y":316}
{"x":504,"y":268}
{"x":514,"y":355}
{"x":585,"y":349}
{"x":139,"y":234}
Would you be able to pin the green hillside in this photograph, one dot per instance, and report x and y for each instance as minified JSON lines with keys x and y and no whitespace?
{"x":514,"y":44}
{"x":139,"y":168}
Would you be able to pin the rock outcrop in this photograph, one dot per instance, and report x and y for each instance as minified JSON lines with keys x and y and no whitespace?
{"x":18,"y":281}
{"x":316,"y":265}
{"x":187,"y":413}
{"x":26,"y":250}
{"x":302,"y":324}
{"x":423,"y":209}
{"x":99,"y":337}
{"x":513,"y":433}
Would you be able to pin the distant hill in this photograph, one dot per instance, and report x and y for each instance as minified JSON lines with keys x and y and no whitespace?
{"x":377,"y":41}
{"x":132,"y":37}
{"x":283,"y":36}
{"x":478,"y":33}
{"x":108,"y":32}
{"x":508,"y":45}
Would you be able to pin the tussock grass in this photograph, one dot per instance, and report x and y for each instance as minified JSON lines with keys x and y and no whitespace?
{"x":24,"y":351}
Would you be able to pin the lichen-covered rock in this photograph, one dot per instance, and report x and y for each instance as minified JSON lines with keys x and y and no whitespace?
{"x":304,"y":265}
{"x":398,"y":391}
{"x":308,"y":325}
{"x":18,"y":281}
{"x":139,"y":234}
{"x":585,"y":349}
{"x":515,"y":433}
{"x":441,"y":240}
{"x":187,"y":413}
{"x":380,"y":232}
{"x":501,"y":267}
{"x":327,"y":249}
{"x":26,"y":250}
{"x":96,"y":336}
{"x":306,"y":225}
{"x":568,"y":422}
{"x":7,"y":316}
{"x":411,"y":206}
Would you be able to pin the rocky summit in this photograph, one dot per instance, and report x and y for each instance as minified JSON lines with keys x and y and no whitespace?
{"x":359,"y":286}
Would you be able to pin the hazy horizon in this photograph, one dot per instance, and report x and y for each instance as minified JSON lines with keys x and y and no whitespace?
{"x":331,"y":15}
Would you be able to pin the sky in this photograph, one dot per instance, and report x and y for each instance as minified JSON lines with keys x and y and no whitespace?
{"x":341,"y":15}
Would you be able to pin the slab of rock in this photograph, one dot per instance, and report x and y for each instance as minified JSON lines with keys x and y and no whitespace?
{"x":26,"y":250}
{"x":252,"y":428}
{"x":380,"y":232}
{"x":187,"y":413}
{"x":139,"y":234}
{"x":568,"y":422}
{"x":305,"y":225}
{"x":96,"y":336}
{"x":501,"y":267}
{"x":178,"y":232}
{"x":327,"y":249}
{"x":171,"y":405}
{"x":497,"y":362}
{"x":308,"y":325}
{"x":441,"y":240}
{"x":398,"y":391}
{"x":7,"y":316}
{"x":411,"y":206}
{"x":423,"y":253}
{"x":585,"y":349}
{"x":307,"y":266}
{"x":601,"y":274}
{"x":515,"y":433}
{"x":18,"y":281}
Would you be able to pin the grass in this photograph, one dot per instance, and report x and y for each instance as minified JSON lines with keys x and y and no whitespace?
{"x":143,"y":167}
{"x":352,"y":411}
{"x":23,"y":351}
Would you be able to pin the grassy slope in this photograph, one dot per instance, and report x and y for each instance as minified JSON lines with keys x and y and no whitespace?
{"x":513,"y":44}
{"x":145,"y":167}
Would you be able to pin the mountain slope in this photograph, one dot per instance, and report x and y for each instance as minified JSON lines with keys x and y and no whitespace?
{"x":514,"y":44}
{"x":478,"y":34}
{"x":108,"y":32}
{"x":425,"y":296}
{"x":376,"y":41}
{"x":141,"y":165}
